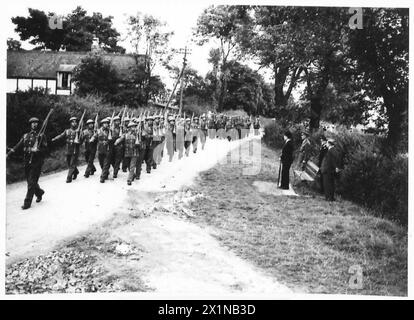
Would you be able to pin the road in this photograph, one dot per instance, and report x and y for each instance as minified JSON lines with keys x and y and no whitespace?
{"x":70,"y":209}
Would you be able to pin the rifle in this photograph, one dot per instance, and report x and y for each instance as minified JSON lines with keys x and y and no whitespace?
{"x":80,"y":126}
{"x":111,"y":126}
{"x":38,"y":141}
{"x":121,"y":131}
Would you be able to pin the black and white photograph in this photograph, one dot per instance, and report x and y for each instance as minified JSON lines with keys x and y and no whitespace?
{"x":205,"y":150}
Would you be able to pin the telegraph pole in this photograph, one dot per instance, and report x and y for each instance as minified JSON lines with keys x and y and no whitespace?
{"x":184,"y":51}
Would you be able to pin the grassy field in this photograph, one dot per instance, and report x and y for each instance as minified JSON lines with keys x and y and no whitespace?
{"x":305,"y":242}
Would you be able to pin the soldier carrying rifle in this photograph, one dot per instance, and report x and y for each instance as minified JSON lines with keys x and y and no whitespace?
{"x":34,"y":147}
{"x":90,"y":146}
{"x":73,"y":137}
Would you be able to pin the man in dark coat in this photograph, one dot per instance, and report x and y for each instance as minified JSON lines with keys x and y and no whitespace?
{"x":322,"y":152}
{"x":33,"y":161}
{"x":286,"y":159}
{"x":328,"y":169}
{"x":90,"y":148}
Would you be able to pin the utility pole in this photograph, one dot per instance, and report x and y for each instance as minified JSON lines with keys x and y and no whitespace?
{"x":184,"y":51}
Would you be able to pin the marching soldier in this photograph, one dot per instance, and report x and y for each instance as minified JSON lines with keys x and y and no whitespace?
{"x":117,"y":151}
{"x":211,"y":125}
{"x":170,"y":138}
{"x":147,"y":148}
{"x":125,"y":160}
{"x":131,"y":143}
{"x":156,"y":141}
{"x":72,"y":148}
{"x":33,"y":161}
{"x":195,"y":128}
{"x":90,"y":148}
{"x":180,"y":136}
{"x":203,"y":130}
{"x":104,"y":148}
{"x":188,"y":137}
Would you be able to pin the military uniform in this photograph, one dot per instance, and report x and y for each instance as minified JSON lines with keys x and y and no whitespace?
{"x":170,"y":138}
{"x":131,"y":144}
{"x":33,"y":162}
{"x":195,"y":129}
{"x":188,"y":136}
{"x":117,"y":151}
{"x":125,"y":160}
{"x":146,"y":146}
{"x":90,"y":150}
{"x":72,"y":151}
{"x":157,"y":144}
{"x":180,"y":137}
{"x":203,"y":131}
{"x":256,"y":126}
{"x":104,"y":149}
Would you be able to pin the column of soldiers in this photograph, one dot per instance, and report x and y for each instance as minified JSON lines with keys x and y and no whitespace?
{"x":125,"y":143}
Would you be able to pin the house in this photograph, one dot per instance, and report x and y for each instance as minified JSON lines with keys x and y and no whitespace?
{"x":53,"y":70}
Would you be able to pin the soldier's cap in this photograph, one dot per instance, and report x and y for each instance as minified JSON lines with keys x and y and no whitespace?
{"x":188,"y":119}
{"x":104,"y":120}
{"x":73,"y":119}
{"x":149,"y":118}
{"x":157,"y":116}
{"x":117,"y":118}
{"x":132,"y":124}
{"x":127,"y":119}
{"x":331,"y":141}
{"x":195,"y":118}
{"x":33,"y":119}
{"x":89,"y":121}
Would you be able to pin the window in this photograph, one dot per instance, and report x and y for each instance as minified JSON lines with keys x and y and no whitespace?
{"x":63,"y":80}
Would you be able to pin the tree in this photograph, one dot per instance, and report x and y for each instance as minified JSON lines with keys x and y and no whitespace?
{"x":77,"y":33}
{"x":96,"y":76}
{"x":13,"y":45}
{"x":36,"y":28}
{"x":381,"y":51}
{"x":223,"y":23}
{"x":148,"y":35}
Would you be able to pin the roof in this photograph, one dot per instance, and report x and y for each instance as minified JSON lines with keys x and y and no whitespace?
{"x":44,"y":64}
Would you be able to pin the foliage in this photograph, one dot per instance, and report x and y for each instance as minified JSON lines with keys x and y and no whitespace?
{"x":13,"y":45}
{"x":95,"y":76}
{"x":77,"y":33}
{"x":149,"y":35}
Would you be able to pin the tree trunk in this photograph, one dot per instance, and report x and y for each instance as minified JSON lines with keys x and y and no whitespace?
{"x":395,"y":111}
{"x":280,"y":78}
{"x":315,"y":116}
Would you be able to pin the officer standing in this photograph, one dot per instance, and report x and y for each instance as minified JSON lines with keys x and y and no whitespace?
{"x":33,"y":160}
{"x":90,"y":148}
{"x":72,"y":148}
{"x":286,"y":160}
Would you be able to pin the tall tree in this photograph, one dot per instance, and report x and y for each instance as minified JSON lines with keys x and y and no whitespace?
{"x":148,"y":36}
{"x":77,"y":33}
{"x":224,"y":24}
{"x":381,"y":51}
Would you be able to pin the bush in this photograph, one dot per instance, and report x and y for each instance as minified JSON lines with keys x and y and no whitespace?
{"x":36,"y":103}
{"x":371,"y":176}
